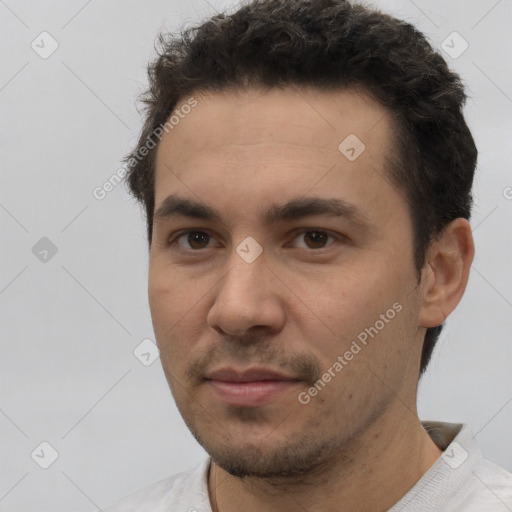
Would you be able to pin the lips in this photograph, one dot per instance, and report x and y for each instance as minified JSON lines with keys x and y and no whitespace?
{"x":249,"y":375}
{"x":250,"y":387}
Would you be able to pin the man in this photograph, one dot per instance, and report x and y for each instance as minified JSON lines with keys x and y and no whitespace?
{"x":306,"y":172}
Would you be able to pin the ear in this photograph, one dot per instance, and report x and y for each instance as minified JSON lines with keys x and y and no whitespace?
{"x":446,"y":272}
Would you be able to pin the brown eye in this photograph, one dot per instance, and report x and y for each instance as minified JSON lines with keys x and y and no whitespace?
{"x":314,"y":239}
{"x":192,"y":240}
{"x":198,"y":238}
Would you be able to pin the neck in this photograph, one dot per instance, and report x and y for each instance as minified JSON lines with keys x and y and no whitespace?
{"x":370,"y":475}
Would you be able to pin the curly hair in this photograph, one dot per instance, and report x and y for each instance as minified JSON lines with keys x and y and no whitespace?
{"x":328,"y":44}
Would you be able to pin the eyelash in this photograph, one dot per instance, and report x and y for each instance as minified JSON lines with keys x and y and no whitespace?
{"x":173,"y":241}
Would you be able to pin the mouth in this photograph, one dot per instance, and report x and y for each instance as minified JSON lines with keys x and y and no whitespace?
{"x":251,"y":387}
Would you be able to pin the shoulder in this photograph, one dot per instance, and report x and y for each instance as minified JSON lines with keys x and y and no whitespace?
{"x":461,"y":480}
{"x":488,"y":487}
{"x":187,"y":490}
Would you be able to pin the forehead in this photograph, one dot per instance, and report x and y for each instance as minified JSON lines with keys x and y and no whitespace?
{"x":276,"y":144}
{"x":292,"y":115}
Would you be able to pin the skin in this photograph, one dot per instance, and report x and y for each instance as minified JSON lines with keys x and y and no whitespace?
{"x":301,"y":303}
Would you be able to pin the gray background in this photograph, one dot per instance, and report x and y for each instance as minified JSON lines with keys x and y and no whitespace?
{"x":69,"y":324}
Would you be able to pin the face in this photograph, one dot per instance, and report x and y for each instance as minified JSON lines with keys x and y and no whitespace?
{"x":281,"y":284}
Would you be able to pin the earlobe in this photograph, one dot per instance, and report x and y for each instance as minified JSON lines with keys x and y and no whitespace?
{"x":446,"y":273}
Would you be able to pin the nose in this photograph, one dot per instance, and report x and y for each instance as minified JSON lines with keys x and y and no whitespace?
{"x":248,"y":296}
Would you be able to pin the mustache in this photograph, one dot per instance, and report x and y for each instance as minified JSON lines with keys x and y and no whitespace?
{"x":254,"y":350}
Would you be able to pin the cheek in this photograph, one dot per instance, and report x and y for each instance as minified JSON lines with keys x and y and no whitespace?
{"x":348,"y":297}
{"x":359,"y":303}
{"x":170,"y":294}
{"x":171,"y":312}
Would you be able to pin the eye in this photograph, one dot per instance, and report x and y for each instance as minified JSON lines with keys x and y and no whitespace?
{"x":314,"y":238}
{"x":193,"y":240}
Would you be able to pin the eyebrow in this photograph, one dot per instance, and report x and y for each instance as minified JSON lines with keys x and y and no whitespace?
{"x":174,"y":206}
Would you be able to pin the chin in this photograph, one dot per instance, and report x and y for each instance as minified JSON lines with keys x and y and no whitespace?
{"x":260,"y":459}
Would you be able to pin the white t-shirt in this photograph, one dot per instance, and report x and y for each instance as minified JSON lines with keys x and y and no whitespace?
{"x":461,"y":480}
